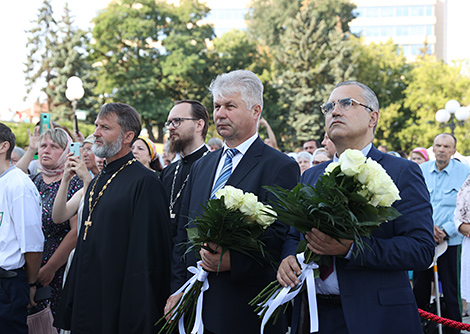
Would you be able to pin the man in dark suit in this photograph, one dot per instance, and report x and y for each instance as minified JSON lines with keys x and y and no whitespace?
{"x":370,"y":293}
{"x":238,"y":102}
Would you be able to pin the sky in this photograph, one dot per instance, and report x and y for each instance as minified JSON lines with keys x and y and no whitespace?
{"x":15,"y":18}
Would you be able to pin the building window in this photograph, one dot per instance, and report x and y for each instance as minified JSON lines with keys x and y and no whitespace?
{"x":403,"y":30}
{"x":359,"y":12}
{"x":387,"y":11}
{"x":418,"y":30}
{"x":357,"y":30}
{"x":428,"y":30}
{"x":417,"y":10}
{"x":372,"y":31}
{"x":387,"y":31}
{"x":372,"y":11}
{"x":402,"y":11}
{"x":428,"y":10}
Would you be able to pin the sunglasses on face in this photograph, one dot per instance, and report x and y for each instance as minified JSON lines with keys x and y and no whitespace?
{"x":344,"y":104}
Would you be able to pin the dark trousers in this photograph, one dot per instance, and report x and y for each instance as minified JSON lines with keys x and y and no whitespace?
{"x":330,"y":317}
{"x":447,"y":270}
{"x":14,"y":298}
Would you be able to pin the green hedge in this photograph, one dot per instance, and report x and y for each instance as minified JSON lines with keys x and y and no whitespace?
{"x":21,"y":130}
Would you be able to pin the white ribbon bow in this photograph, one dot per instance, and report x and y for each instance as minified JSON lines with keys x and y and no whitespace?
{"x":201,"y":276}
{"x":286,"y":294}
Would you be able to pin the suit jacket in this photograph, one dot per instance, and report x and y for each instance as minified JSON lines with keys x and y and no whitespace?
{"x":375,"y":290}
{"x":226,"y":308}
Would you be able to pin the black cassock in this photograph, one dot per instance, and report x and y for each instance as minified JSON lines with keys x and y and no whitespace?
{"x":119,"y":277}
{"x":178,"y":183}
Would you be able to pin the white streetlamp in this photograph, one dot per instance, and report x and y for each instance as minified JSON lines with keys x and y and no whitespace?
{"x":452,"y":109}
{"x":73,"y":93}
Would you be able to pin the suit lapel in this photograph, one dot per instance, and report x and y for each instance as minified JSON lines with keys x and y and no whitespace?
{"x":208,"y":170}
{"x":248,"y":162}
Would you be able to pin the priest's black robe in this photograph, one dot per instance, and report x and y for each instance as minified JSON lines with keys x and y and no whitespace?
{"x":119,"y":277}
{"x":167,"y":176}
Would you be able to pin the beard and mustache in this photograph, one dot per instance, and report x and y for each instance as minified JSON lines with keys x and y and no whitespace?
{"x":178,"y":144}
{"x":107,"y":150}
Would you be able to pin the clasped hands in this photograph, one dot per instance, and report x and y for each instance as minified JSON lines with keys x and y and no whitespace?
{"x":319,"y":243}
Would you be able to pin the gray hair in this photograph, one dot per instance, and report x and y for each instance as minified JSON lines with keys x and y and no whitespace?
{"x":367,"y":93}
{"x":19,"y":151}
{"x":127,"y":117}
{"x":305,"y":155}
{"x":57,"y":135}
{"x":215,"y":141}
{"x":244,"y":82}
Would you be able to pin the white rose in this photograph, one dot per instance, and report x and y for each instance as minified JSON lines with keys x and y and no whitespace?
{"x":352,"y":162}
{"x":263,"y":215}
{"x":249,"y":204}
{"x":371,"y":170}
{"x":232,"y":197}
{"x":330,"y":167}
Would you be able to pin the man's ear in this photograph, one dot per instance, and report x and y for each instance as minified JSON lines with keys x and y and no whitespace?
{"x":200,"y":125}
{"x":374,"y":118}
{"x":257,"y":111}
{"x":128,"y":137}
{"x":4,"y":146}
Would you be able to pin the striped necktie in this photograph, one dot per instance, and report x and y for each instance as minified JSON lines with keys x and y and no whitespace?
{"x":225,"y":172}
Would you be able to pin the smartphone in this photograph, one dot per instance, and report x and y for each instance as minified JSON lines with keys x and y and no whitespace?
{"x":75,"y":148}
{"x":45,"y":122}
{"x":42,"y":293}
{"x":75,"y":123}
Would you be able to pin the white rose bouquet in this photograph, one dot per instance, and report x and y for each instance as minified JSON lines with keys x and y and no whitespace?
{"x":349,"y":201}
{"x":233,"y":220}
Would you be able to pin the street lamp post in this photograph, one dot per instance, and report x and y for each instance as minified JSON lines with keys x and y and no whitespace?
{"x":452,"y":110}
{"x":74,"y":91}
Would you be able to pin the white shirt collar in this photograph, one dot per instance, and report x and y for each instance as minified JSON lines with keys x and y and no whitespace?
{"x":364,"y":151}
{"x":243,"y":147}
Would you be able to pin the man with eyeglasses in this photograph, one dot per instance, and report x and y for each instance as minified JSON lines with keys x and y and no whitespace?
{"x":369,"y":293}
{"x":247,"y":163}
{"x":187,"y":125}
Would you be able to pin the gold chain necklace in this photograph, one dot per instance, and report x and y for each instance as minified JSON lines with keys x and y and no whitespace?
{"x":92,"y":192}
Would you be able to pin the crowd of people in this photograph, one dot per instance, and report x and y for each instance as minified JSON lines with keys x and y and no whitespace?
{"x":97,"y":243}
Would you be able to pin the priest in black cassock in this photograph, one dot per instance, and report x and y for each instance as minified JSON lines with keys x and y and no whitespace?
{"x":187,"y":124}
{"x":119,"y":277}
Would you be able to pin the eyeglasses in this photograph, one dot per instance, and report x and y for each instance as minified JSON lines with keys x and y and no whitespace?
{"x":177,"y":121}
{"x":344,"y":104}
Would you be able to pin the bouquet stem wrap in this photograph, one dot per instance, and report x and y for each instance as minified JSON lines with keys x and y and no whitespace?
{"x":285,"y":294}
{"x":198,"y":281}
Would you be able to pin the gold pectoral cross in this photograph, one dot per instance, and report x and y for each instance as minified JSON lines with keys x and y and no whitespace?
{"x":87,"y":225}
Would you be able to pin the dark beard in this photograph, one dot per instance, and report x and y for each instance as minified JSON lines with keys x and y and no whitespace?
{"x":178,"y":145}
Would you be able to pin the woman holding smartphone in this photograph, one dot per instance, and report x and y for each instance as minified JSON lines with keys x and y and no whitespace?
{"x":60,"y":237}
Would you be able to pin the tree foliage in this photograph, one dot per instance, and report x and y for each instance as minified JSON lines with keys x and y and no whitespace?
{"x":317,"y":53}
{"x":41,"y":44}
{"x":431,"y":84}
{"x":149,"y":53}
{"x":385,"y":70}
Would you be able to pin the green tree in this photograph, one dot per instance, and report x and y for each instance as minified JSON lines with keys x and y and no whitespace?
{"x":431,"y":84}
{"x":385,"y":70}
{"x":70,"y":59}
{"x":317,"y":54}
{"x":267,"y":20}
{"x":149,"y":53}
{"x":42,"y":40}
